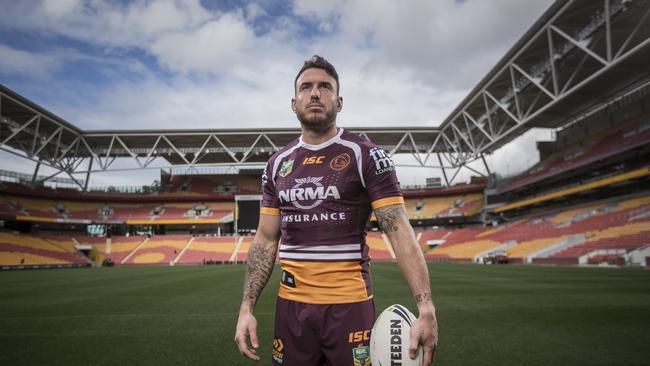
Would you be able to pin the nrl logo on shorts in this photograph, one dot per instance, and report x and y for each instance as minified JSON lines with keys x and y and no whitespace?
{"x":361,"y":356}
{"x":287,"y":167}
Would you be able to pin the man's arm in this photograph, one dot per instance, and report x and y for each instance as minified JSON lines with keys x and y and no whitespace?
{"x":394,"y":223}
{"x":261,"y":257}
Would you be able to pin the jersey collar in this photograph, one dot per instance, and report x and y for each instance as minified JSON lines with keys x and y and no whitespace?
{"x":321,"y":145}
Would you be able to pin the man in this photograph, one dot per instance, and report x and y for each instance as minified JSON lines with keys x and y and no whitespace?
{"x":318,"y":192}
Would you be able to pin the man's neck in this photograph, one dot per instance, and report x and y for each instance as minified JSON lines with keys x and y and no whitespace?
{"x":318,"y":137}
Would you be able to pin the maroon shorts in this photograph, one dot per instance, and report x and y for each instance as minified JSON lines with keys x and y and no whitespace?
{"x":316,"y":335}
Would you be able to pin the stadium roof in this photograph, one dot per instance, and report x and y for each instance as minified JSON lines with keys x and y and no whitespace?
{"x":579,"y":56}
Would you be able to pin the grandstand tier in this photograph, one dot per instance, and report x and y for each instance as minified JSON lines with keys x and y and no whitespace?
{"x":209,"y":249}
{"x":379,"y":247}
{"x":19,"y":249}
{"x":44,"y":210}
{"x":616,"y":140}
{"x":603,"y":232}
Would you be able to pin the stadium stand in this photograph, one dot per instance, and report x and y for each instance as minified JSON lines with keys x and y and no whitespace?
{"x":158,"y":250}
{"x":599,"y":182}
{"x":27,"y":249}
{"x":118,"y":248}
{"x":209,"y":249}
{"x":44,"y":210}
{"x":616,"y":140}
{"x":221,"y":184}
{"x":432,"y":207}
{"x":605,"y":230}
{"x":379,"y":249}
{"x":243,"y":244}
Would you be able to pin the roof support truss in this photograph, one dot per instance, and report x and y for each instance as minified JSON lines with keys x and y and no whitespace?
{"x":570,"y":55}
{"x":556,"y":63}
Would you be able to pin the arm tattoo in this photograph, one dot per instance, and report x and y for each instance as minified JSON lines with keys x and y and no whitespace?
{"x":388,"y":216}
{"x":259,"y":267}
{"x":425,"y":296}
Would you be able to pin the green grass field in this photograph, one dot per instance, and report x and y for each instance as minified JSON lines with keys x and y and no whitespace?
{"x":488,"y":315}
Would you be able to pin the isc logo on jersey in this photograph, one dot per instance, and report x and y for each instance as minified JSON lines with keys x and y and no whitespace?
{"x":309,"y":189}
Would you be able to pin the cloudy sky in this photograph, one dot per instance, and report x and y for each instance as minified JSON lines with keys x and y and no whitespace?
{"x":218,"y":64}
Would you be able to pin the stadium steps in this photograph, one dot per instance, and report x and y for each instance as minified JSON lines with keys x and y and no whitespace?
{"x":464,"y":252}
{"x":638,"y":257}
{"x":501,"y":248}
{"x":389,"y":245}
{"x":570,"y":241}
{"x":417,"y":240}
{"x":233,"y":256}
{"x":134,"y":251}
{"x":71,"y":249}
{"x":80,"y":253}
{"x":185,"y":248}
{"x":604,"y":254}
{"x":525,"y":249}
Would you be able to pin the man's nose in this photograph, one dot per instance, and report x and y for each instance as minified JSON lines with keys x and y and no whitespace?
{"x":315,"y":93}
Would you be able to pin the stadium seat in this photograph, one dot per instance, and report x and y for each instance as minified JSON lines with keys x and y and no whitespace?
{"x":38,"y":250}
{"x":161,"y":249}
{"x":378,"y":249}
{"x":209,"y":249}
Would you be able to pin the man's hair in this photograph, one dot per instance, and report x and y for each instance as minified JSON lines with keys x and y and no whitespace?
{"x":318,"y":62}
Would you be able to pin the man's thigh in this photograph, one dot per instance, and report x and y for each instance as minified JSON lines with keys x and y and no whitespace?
{"x":295,"y":342}
{"x":309,"y":334}
{"x":345,"y":333}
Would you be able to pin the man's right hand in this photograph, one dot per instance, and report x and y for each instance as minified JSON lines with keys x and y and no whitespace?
{"x":247,"y":328}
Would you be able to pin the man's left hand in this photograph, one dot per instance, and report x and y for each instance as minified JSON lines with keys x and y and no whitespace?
{"x":425,"y":332}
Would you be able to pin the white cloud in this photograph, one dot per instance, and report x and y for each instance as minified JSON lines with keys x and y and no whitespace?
{"x":254,"y":11}
{"x":111,"y":24}
{"x":401,"y":63}
{"x":447,"y":43}
{"x":19,"y":62}
{"x":215,"y":46}
{"x":58,"y":9}
{"x":318,"y":9}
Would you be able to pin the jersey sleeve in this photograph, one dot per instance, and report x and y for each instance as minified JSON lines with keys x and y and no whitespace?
{"x":270,"y":204}
{"x":380,"y":178}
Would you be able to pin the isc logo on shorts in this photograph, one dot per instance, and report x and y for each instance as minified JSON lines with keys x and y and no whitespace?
{"x":360,"y":336}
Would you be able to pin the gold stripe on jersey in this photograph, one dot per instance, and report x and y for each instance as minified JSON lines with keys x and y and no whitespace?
{"x":269,"y":211}
{"x":387,"y":201}
{"x":324,"y":282}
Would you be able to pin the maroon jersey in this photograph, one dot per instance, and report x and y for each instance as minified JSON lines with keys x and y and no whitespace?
{"x":324,"y":195}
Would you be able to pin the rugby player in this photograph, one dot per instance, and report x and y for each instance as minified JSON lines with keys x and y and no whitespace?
{"x":318,"y":194}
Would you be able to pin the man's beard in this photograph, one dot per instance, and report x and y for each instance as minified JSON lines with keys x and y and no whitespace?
{"x":317,"y":122}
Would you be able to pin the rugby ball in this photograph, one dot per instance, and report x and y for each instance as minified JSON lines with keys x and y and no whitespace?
{"x":391,"y":337}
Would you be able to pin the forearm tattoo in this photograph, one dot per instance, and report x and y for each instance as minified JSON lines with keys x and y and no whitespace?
{"x":388,"y":217}
{"x":259,"y":267}
{"x":425,"y":296}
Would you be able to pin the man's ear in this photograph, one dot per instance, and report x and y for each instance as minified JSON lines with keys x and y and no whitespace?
{"x":293,"y":105}
{"x":339,"y":104}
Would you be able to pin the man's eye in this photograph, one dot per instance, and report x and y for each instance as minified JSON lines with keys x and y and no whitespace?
{"x":326,"y":86}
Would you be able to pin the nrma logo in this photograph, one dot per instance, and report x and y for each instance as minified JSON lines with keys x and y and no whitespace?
{"x":308,"y":189}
